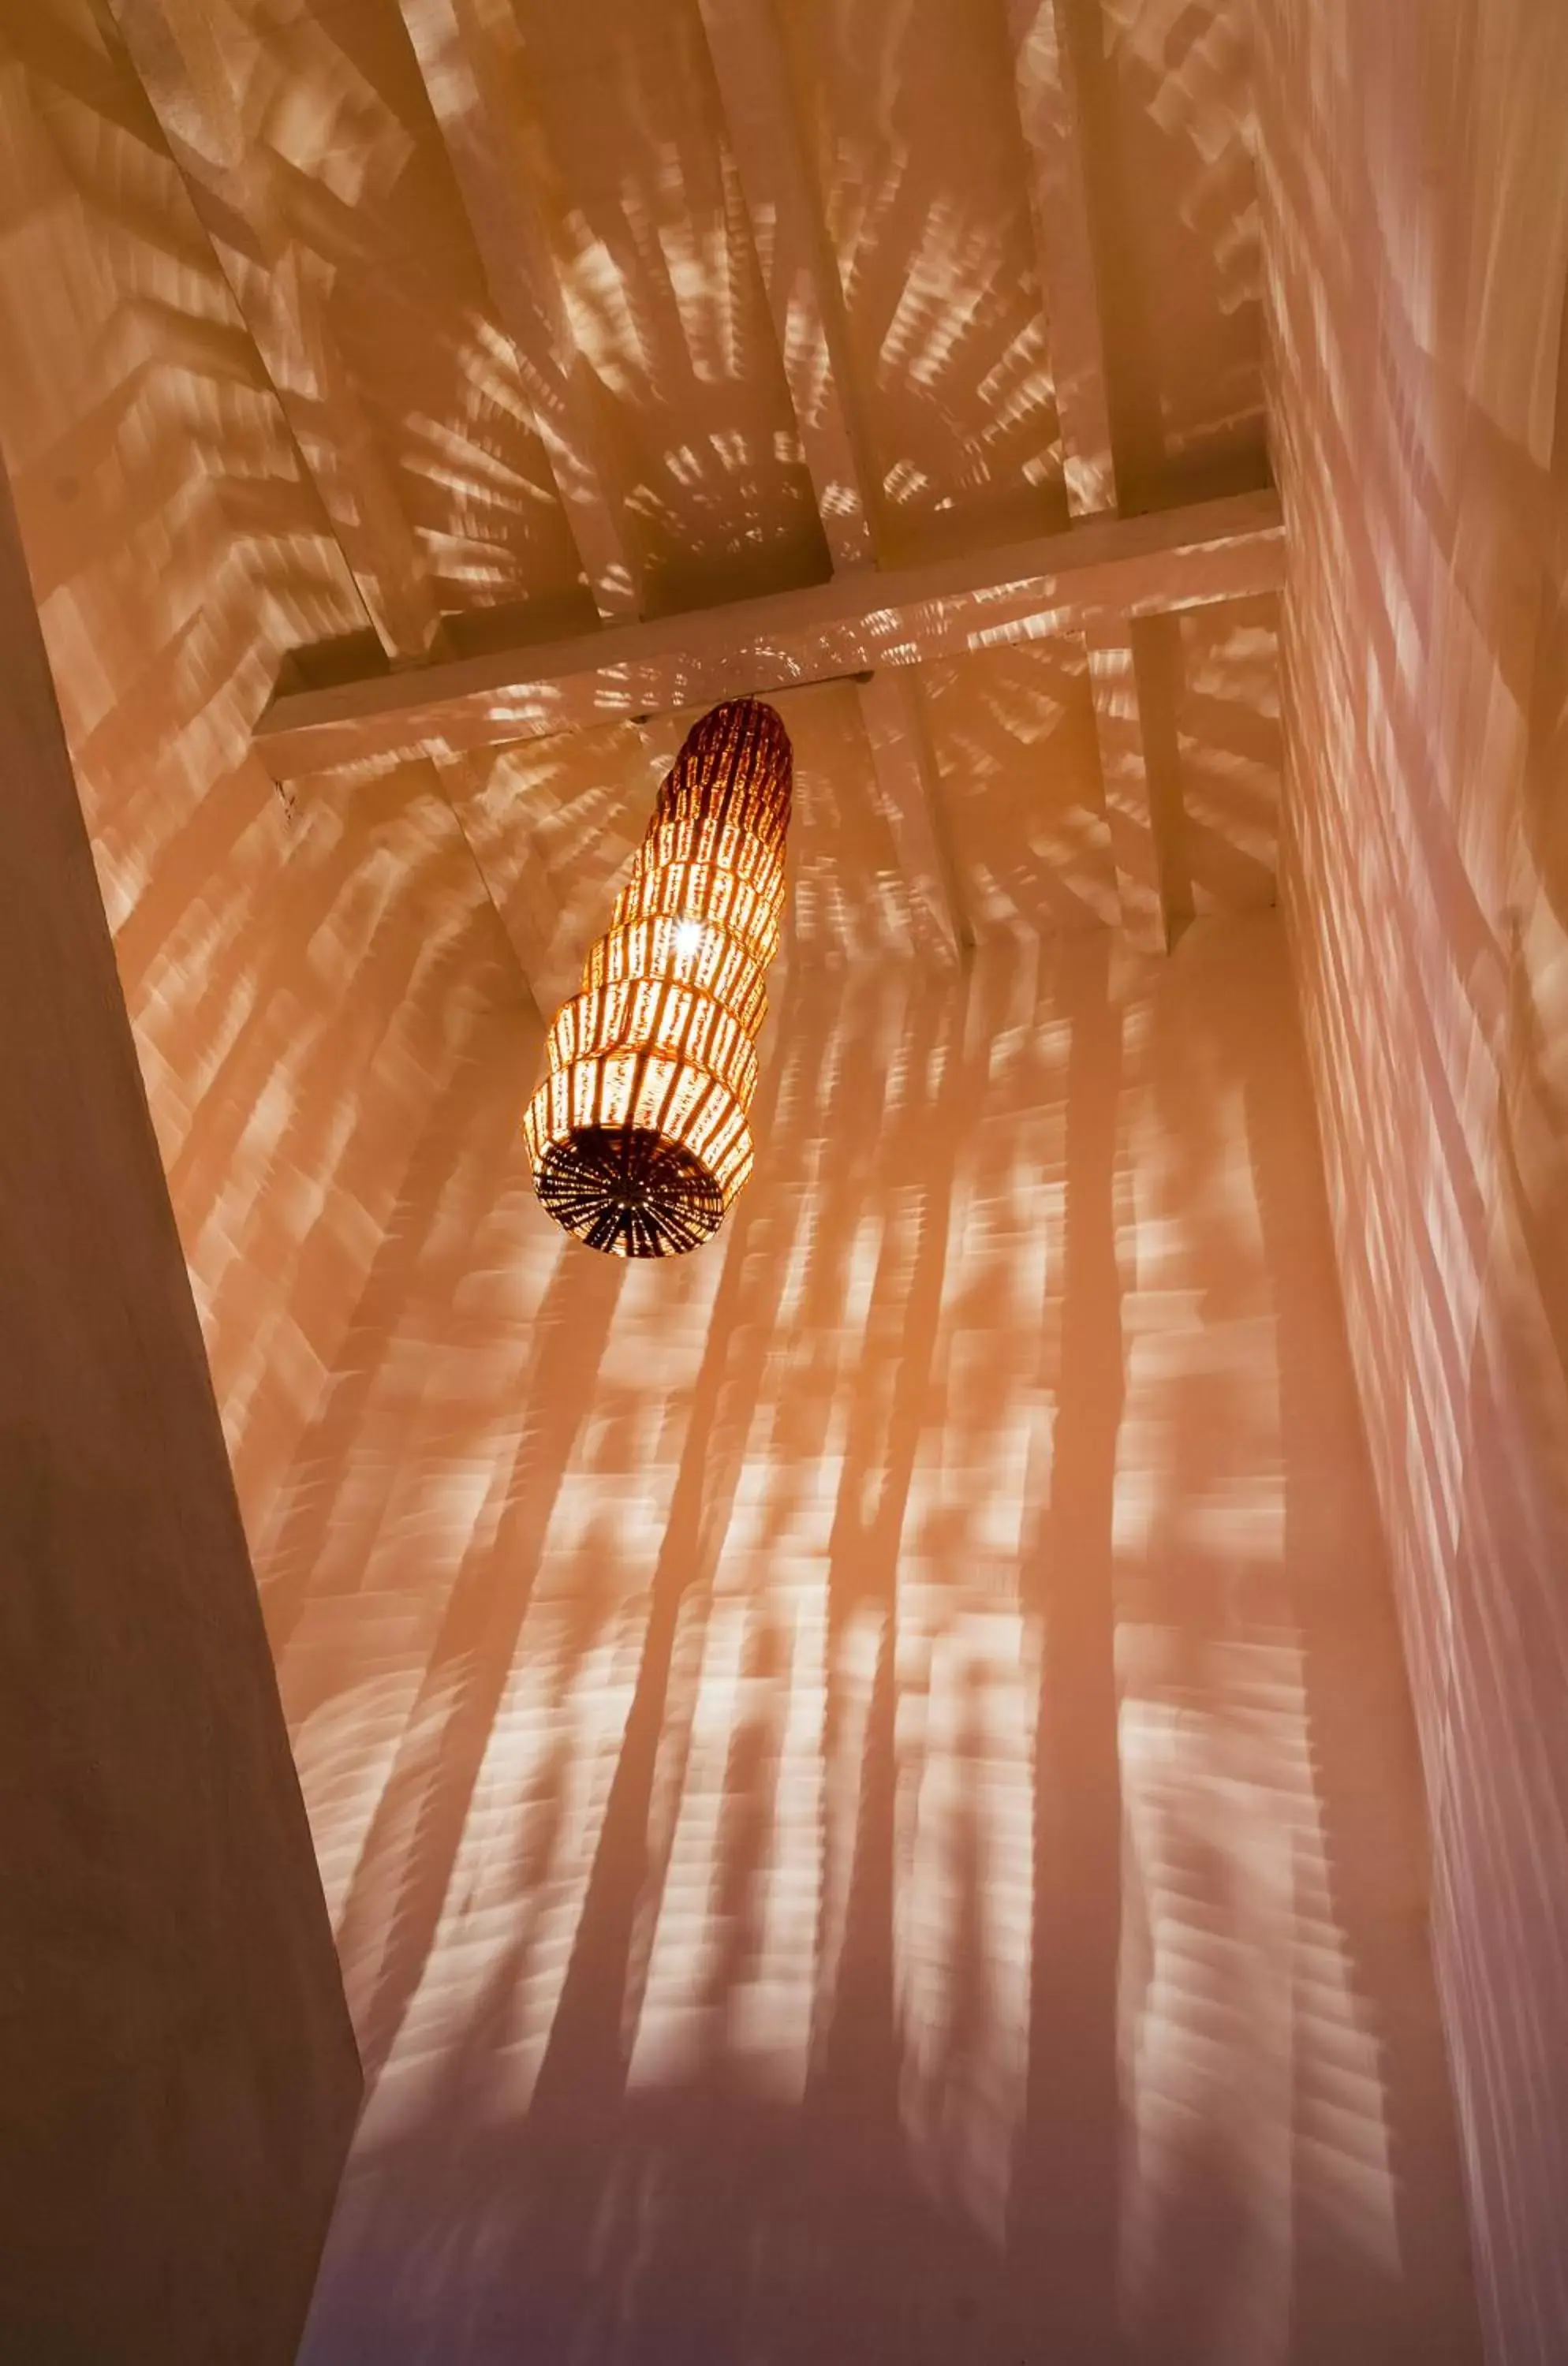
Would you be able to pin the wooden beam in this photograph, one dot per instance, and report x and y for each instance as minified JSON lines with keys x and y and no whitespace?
{"x":1138,"y":831}
{"x":806,"y":296}
{"x":799,"y":270}
{"x":906,"y":779}
{"x":464,"y":74}
{"x":1047,"y":98}
{"x":1124,"y":773}
{"x":1053,"y":129}
{"x":281,"y":290}
{"x":1116,"y":568}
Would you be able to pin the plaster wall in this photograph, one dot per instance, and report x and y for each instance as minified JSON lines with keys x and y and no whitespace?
{"x":862,"y":1784}
{"x":863,"y":1779}
{"x":1415,"y":218}
{"x":177,"y":2075}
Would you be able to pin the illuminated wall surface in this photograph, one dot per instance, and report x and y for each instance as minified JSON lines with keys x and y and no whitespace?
{"x":1417,"y":227}
{"x":863,"y":1781}
{"x":863,"y":1778}
{"x":179,"y":2077}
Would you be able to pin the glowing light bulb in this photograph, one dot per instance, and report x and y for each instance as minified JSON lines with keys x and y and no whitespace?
{"x":688,"y":938}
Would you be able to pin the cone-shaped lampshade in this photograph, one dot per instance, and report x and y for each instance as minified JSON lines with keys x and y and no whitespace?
{"x":639,"y":1133}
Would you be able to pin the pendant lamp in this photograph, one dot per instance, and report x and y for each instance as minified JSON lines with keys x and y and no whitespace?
{"x":638,"y":1134}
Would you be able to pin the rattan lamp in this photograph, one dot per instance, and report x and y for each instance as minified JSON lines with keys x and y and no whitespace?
{"x":639,"y":1133}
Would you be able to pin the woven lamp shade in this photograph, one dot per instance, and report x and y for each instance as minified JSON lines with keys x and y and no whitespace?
{"x":638,"y":1134}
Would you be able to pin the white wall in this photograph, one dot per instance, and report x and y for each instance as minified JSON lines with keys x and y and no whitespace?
{"x":863,"y":1777}
{"x":1416,"y":200}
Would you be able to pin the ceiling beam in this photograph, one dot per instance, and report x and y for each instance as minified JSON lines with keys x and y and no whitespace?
{"x":805,"y":298}
{"x":799,"y":271}
{"x":1124,"y":774}
{"x":1112,"y":567}
{"x":1052,"y":131}
{"x":281,"y":290}
{"x":906,"y":777}
{"x":465,"y":74}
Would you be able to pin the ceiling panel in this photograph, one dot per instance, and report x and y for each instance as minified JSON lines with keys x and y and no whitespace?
{"x":913,"y":126}
{"x":666,"y":298}
{"x":1166,"y":107}
{"x":1013,"y":732}
{"x":323,"y":125}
